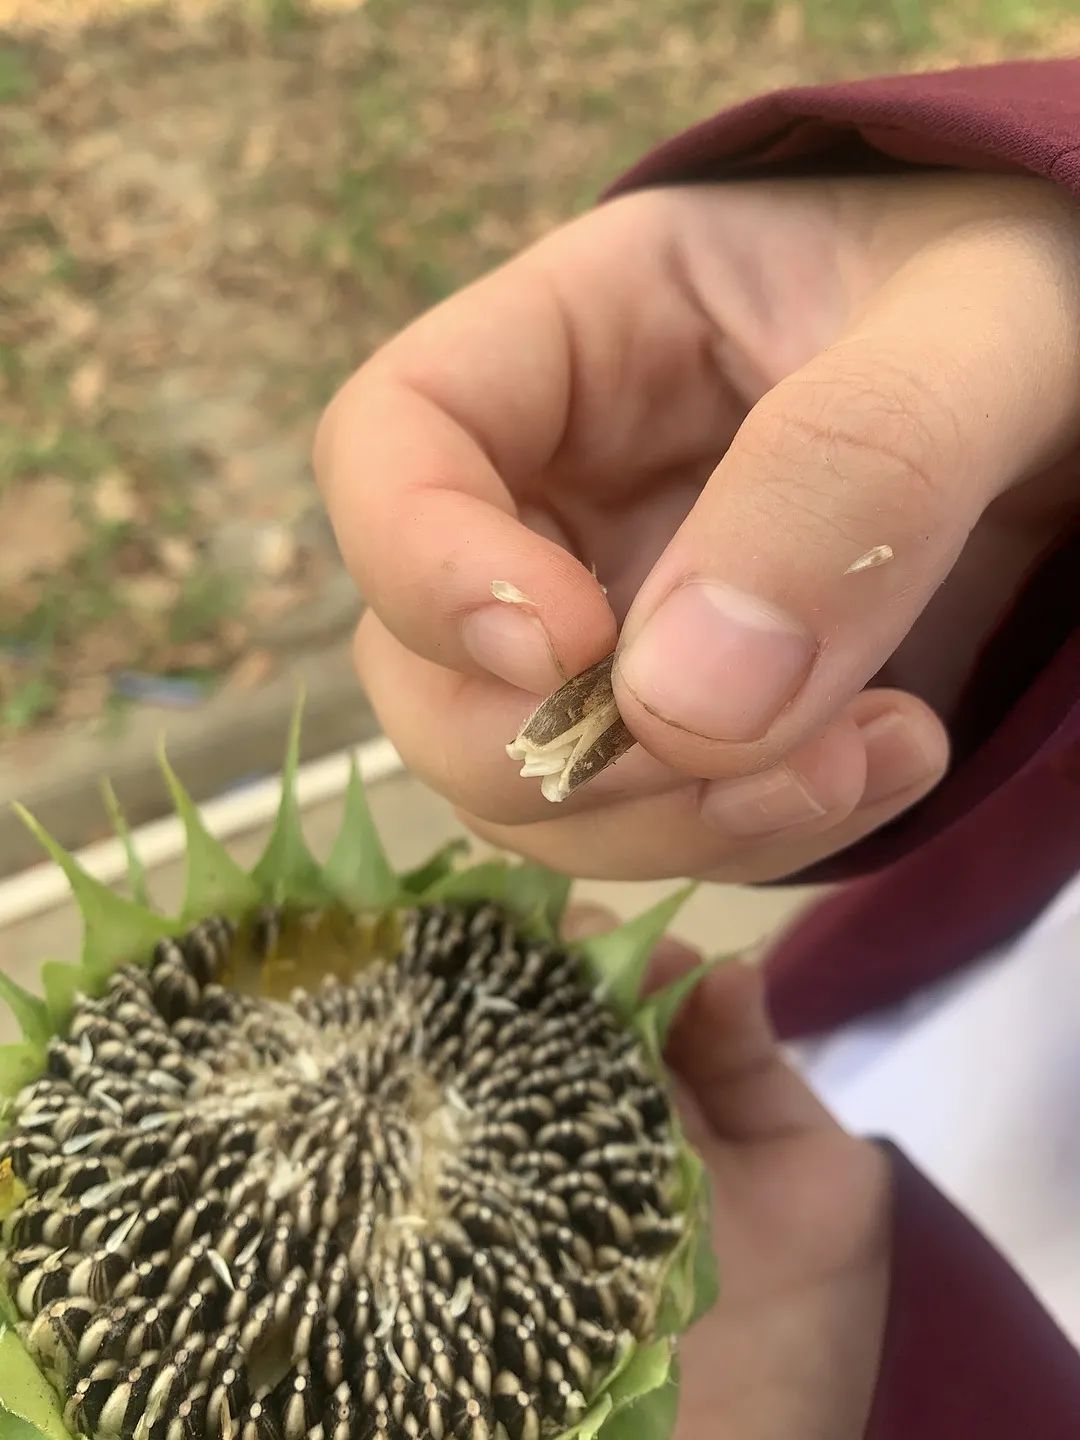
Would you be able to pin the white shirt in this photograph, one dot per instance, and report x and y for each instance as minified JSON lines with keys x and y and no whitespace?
{"x":978,"y":1081}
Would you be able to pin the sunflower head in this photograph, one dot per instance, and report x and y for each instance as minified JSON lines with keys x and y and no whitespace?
{"x":343,"y":1154}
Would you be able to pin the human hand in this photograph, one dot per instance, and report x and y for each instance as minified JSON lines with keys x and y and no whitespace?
{"x":801,"y":1224}
{"x":722,"y":396}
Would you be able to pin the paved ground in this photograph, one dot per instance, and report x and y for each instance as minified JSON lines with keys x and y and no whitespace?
{"x":414,"y":822}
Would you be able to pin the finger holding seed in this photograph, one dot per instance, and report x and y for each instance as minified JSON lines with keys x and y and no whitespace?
{"x":639,"y":818}
{"x":715,"y":830}
{"x":462,"y":753}
{"x":428,"y":470}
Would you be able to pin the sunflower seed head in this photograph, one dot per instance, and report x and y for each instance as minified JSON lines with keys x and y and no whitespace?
{"x":430,"y":1200}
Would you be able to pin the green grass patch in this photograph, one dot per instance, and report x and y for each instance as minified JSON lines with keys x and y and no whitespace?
{"x":17,"y":79}
{"x":206,"y":599}
{"x":29,"y":702}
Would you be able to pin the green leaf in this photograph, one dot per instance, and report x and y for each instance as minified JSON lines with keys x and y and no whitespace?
{"x":532,"y":895}
{"x":28,"y":1405}
{"x":663,"y":1007}
{"x":419,"y":881}
{"x":14,"y":1428}
{"x":591,"y":1423}
{"x":216,"y":884}
{"x":358,"y":870}
{"x":706,"y":1273}
{"x":651,"y":1417}
{"x":539,"y":894}
{"x":287,"y":871}
{"x":691,"y":1286}
{"x":644,"y":1371}
{"x":648,"y":1367}
{"x":19,"y":1064}
{"x":136,"y":872}
{"x":619,"y":959}
{"x":31,"y":1013}
{"x":115,"y":930}
{"x":61,"y":983}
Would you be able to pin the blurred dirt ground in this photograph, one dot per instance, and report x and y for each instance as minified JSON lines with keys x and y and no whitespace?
{"x":210,"y":213}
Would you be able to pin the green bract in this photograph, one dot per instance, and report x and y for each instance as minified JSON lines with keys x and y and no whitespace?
{"x":639,"y":1396}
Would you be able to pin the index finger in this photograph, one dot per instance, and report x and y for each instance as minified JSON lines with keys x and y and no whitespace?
{"x":425,"y":458}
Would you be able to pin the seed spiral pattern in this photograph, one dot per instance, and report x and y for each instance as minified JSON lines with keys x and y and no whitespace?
{"x":428,"y":1202}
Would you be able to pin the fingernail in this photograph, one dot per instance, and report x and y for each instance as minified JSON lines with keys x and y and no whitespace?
{"x":717,"y":662}
{"x":896,"y":757}
{"x":512,"y":645}
{"x":760,"y":804}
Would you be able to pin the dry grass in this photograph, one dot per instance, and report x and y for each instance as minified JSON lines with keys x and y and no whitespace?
{"x":211,"y":212}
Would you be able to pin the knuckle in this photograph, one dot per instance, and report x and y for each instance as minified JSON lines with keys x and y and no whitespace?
{"x":859,"y":421}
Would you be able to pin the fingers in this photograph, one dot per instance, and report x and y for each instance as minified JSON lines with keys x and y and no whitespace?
{"x":893,"y":739}
{"x":416,"y":457}
{"x":766,"y":614}
{"x":907,"y":753}
{"x":724,"y":1050}
{"x":642,"y":819}
{"x":541,"y":374}
{"x":451,"y":730}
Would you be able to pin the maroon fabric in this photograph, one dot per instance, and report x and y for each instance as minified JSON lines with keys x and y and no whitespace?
{"x":980,"y":857}
{"x":969,"y":1352}
{"x":966,"y":888}
{"x":1015,"y":117}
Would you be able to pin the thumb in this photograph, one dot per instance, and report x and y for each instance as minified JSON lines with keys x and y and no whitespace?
{"x":759,"y":623}
{"x":731,"y":1074}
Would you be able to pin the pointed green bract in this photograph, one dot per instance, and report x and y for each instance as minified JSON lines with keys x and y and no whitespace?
{"x":28,"y":1407}
{"x":619,"y":958}
{"x":116,"y":930}
{"x":19,"y":1064}
{"x":592,"y":1422}
{"x":418,"y":882}
{"x":691,"y":1286}
{"x":14,"y":1428}
{"x":31,"y":1013}
{"x":136,"y":872}
{"x":532,"y":895}
{"x":358,"y":870}
{"x":647,"y":1368}
{"x":639,"y":1374}
{"x":651,"y":1416}
{"x":61,"y":983}
{"x":216,"y":884}
{"x":287,"y":871}
{"x":706,"y":1276}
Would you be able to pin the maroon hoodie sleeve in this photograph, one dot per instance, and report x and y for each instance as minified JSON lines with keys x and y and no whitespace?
{"x":983,"y":854}
{"x":969,"y":1352}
